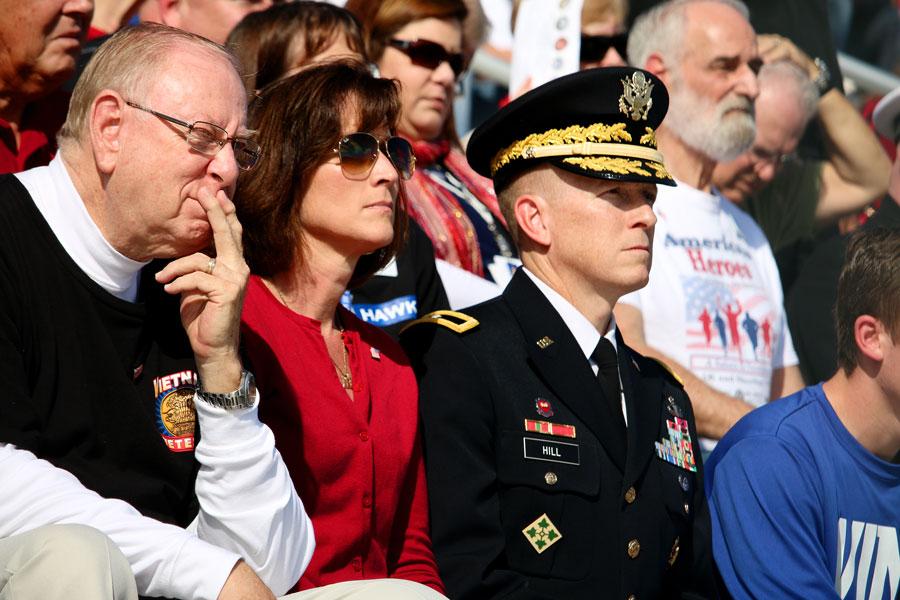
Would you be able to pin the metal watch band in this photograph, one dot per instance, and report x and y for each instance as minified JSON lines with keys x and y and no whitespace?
{"x":243,"y":397}
{"x":823,"y":79}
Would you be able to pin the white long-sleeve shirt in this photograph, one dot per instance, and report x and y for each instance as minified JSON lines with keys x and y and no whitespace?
{"x":248,"y":506}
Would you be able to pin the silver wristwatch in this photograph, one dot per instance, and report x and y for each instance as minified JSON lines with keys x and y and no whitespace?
{"x":243,"y":397}
{"x":822,"y":80}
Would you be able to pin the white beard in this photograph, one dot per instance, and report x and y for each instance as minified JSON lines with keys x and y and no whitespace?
{"x":716,"y":130}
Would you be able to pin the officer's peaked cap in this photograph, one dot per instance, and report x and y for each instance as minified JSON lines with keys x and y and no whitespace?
{"x":597,"y":123}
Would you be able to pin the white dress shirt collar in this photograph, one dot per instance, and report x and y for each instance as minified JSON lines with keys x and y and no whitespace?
{"x":586,"y":335}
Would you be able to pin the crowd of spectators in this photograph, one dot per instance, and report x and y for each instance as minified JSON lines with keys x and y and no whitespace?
{"x":240,"y":243}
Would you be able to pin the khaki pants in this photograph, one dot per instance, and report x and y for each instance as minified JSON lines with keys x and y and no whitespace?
{"x":369,"y":589}
{"x":59,"y":562}
{"x":73,"y":562}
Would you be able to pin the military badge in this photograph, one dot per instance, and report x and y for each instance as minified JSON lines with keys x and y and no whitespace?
{"x":548,"y":428}
{"x":677,"y":448}
{"x":551,"y":451}
{"x":541,"y":533}
{"x":673,"y":407}
{"x":176,"y":416}
{"x":636,"y":99}
{"x":543,"y":407}
{"x":544,"y":343}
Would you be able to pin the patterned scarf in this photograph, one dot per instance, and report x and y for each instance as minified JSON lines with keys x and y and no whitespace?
{"x":439,"y":211}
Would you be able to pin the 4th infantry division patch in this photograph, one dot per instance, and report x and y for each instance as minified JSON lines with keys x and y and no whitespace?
{"x":542,"y":533}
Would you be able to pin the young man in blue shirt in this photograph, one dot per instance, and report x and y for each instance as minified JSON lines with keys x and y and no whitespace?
{"x":805,"y":492}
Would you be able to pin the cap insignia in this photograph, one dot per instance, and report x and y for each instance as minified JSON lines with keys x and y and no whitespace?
{"x":636,"y":99}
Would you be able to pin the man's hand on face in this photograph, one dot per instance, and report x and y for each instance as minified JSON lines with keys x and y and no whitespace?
{"x":773,"y":48}
{"x":212,"y":294}
{"x":244,"y":584}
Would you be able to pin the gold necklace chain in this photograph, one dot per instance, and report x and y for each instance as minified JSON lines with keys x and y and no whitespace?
{"x":345,"y":375}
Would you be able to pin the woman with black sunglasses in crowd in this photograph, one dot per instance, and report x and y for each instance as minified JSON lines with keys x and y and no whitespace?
{"x":419,"y":44}
{"x":322,"y":211}
{"x":604,"y":38}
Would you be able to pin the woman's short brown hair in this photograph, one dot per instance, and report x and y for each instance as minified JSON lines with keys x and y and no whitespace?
{"x":300,"y":120}
{"x":382,"y":19}
{"x":263,"y":40}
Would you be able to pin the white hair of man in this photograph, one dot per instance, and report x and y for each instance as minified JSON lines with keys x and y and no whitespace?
{"x":129,"y":63}
{"x":709,"y":127}
{"x":661,"y":30}
{"x":787,"y":77}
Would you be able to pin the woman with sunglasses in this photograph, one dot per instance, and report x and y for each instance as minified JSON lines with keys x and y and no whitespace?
{"x":277,"y":42}
{"x":604,"y":38}
{"x":322,"y":211}
{"x":419,"y":44}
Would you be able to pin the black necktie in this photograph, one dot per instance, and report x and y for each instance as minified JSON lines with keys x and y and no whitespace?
{"x":608,"y":377}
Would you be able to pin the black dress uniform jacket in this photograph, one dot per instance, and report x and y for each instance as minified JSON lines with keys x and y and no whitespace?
{"x":629,"y":524}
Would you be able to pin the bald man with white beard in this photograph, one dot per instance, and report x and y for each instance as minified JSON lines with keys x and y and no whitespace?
{"x":713,"y":307}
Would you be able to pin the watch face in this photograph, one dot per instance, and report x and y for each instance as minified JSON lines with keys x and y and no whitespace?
{"x":823,"y":79}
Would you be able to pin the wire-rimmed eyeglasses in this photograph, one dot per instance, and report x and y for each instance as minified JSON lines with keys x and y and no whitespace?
{"x":209,"y":138}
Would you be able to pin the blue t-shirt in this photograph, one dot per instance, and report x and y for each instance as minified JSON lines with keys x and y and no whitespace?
{"x":800,"y":509}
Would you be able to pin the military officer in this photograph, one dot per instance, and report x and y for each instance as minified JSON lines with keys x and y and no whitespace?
{"x":560,"y":463}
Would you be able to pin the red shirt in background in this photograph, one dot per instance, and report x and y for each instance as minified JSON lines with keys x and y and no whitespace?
{"x":356,"y":464}
{"x":37,"y":145}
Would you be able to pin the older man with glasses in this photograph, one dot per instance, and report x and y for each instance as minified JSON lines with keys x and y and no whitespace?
{"x":793,"y":198}
{"x":145,"y":421}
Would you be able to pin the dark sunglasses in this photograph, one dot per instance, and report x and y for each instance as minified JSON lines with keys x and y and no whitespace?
{"x":430,"y":55}
{"x":595,"y":47}
{"x":359,"y":153}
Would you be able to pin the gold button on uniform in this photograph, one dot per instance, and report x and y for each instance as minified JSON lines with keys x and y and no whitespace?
{"x":551,"y":478}
{"x":634,"y":548}
{"x":673,"y":554}
{"x":632,"y":597}
{"x":630,"y":495}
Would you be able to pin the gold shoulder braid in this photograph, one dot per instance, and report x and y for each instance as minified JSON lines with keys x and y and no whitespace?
{"x":451,"y":319}
{"x":668,"y":369}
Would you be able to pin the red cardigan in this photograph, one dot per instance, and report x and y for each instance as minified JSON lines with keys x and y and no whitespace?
{"x":356,"y":464}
